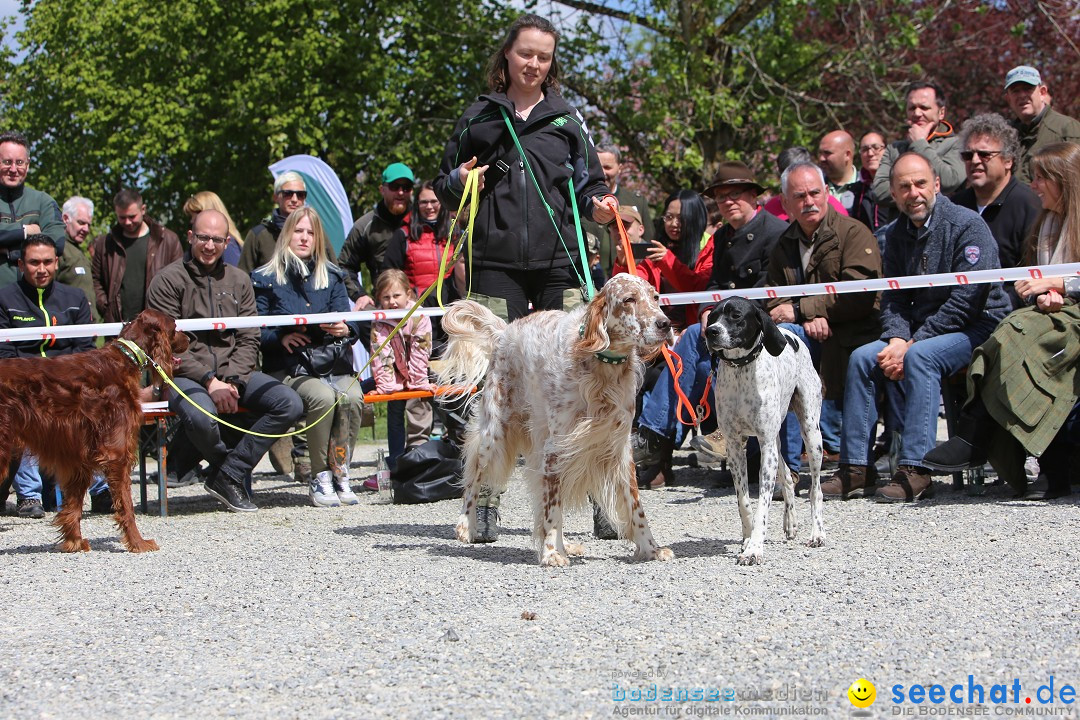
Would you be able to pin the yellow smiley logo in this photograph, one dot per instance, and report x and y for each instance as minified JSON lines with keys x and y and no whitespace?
{"x":862,"y":693}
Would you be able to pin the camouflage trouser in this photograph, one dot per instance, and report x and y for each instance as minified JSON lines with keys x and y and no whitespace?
{"x":572,"y":298}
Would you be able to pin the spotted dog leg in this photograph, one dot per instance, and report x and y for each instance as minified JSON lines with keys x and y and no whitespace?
{"x":548,"y":518}
{"x":812,"y":438}
{"x":787,"y":486}
{"x":737,"y":461}
{"x":754,"y":551}
{"x":632,"y":516}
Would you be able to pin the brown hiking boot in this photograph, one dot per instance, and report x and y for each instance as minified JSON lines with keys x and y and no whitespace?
{"x":713,"y":447}
{"x":907,"y":485}
{"x":849,"y":481}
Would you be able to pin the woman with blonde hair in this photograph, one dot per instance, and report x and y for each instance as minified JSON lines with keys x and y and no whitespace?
{"x":207,"y":200}
{"x":314,"y":360}
{"x":1022,"y":385}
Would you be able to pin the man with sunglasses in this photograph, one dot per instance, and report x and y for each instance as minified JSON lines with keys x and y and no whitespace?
{"x":218,"y":370}
{"x":125,"y":260}
{"x":23,"y":210}
{"x":290,"y":194}
{"x":1037,"y":122}
{"x":1010,"y":208}
{"x":366,"y":242}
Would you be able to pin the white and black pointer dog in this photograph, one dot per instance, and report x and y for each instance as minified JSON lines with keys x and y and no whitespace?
{"x":754,"y":391}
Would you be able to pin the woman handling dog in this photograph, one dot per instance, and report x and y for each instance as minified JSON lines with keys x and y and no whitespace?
{"x":1022,"y":382}
{"x":533,"y":154}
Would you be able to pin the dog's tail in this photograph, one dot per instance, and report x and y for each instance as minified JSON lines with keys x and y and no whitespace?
{"x":473,"y":331}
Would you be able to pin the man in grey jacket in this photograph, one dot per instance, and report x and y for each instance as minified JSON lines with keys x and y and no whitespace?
{"x":927,"y":333}
{"x":927,"y":134}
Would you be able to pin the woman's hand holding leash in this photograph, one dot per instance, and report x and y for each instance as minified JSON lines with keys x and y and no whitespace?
{"x":463,"y":172}
{"x":604,"y":210}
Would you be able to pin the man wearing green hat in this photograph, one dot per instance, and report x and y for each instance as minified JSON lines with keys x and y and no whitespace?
{"x":366,"y":241}
{"x":1037,"y":122}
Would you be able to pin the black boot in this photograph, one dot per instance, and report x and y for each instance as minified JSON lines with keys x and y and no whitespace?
{"x":649,"y":447}
{"x":969,"y":447}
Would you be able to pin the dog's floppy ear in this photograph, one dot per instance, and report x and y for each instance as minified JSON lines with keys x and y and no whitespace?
{"x":775,"y":341}
{"x":595,"y":337}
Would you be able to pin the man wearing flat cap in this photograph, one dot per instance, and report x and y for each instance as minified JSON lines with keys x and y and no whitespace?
{"x":1037,"y":122}
{"x":741,"y":250}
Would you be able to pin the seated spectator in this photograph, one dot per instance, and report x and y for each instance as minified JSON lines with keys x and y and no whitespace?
{"x":741,"y":251}
{"x":927,"y":333}
{"x":822,"y":246}
{"x":867,"y":210}
{"x":125,"y":260}
{"x":402,"y":364}
{"x":785,"y":159}
{"x":218,"y":370}
{"x":1022,"y":381}
{"x":74,"y":268}
{"x":290,"y":194}
{"x":675,"y":262}
{"x":314,"y":360}
{"x":990,"y":149}
{"x":206,"y":200}
{"x":929,"y":135}
{"x":1037,"y":123}
{"x":37,"y":300}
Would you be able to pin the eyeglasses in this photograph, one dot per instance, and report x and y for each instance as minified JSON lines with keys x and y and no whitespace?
{"x":984,"y":155}
{"x":730,"y":195}
{"x":20,"y":163}
{"x":672,"y":218}
{"x":871,"y":148}
{"x":302,"y":194}
{"x":209,"y":239}
{"x":427,"y":202}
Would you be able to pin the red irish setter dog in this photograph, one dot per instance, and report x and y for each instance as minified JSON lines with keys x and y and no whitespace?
{"x":80,"y":414}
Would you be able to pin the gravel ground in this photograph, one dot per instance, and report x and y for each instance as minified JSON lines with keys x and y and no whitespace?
{"x":377,"y":611}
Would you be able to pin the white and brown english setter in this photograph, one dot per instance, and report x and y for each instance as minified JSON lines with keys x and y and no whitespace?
{"x":558,"y":388}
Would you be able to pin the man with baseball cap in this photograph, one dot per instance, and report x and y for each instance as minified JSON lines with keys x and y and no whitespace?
{"x":366,"y":242}
{"x":1037,"y":123}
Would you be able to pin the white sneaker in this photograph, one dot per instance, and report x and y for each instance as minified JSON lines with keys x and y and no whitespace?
{"x":321,"y":490}
{"x":344,"y":491}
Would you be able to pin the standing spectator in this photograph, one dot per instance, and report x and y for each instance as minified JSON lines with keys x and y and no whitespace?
{"x":417,"y":247}
{"x":315,"y":361}
{"x":207,"y":200}
{"x":365,"y":245}
{"x":74,"y":270}
{"x":125,"y":260}
{"x":218,"y":369}
{"x":1010,"y":208}
{"x":927,"y":134}
{"x":867,"y":209}
{"x":611,"y":162}
{"x":402,"y":364}
{"x":290,"y":194}
{"x":24,"y":210}
{"x":36,"y":300}
{"x":1037,"y":123}
{"x":927,"y":333}
{"x":836,"y":158}
{"x":524,"y":234}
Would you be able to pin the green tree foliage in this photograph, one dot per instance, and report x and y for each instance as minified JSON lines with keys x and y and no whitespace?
{"x":172,"y":98}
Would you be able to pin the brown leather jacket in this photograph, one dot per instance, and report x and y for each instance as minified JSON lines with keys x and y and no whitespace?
{"x":844,"y":249}
{"x":108,"y":262}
